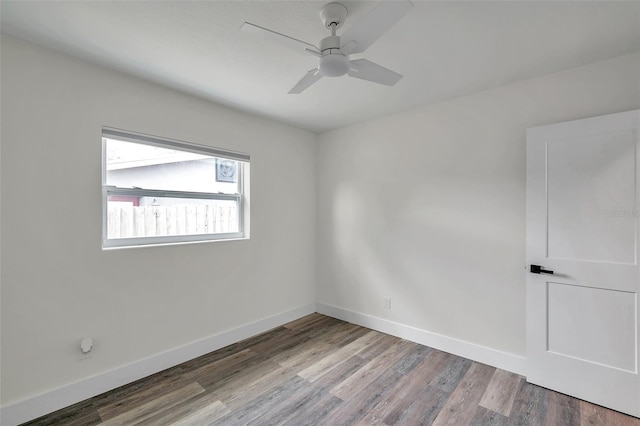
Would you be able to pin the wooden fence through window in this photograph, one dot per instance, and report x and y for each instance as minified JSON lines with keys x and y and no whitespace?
{"x":127,"y":221}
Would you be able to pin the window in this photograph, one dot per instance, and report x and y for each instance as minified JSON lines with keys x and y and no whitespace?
{"x":160,"y":191}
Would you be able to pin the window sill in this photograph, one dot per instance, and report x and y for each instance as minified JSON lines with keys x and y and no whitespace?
{"x":173,"y":243}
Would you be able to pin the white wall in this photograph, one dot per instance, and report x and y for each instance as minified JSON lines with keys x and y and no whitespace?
{"x":57,"y":283}
{"x":428,"y":206}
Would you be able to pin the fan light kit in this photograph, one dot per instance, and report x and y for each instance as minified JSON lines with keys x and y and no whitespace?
{"x":334,"y":50}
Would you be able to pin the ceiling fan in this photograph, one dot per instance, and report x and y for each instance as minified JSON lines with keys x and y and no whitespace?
{"x":334,"y":50}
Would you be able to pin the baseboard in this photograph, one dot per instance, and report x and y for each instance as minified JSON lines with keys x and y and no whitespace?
{"x":504,"y":360}
{"x":48,"y":402}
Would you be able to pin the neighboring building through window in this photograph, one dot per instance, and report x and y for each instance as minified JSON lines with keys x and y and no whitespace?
{"x":160,"y":191}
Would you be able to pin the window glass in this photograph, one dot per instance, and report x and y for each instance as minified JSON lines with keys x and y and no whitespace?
{"x":156,"y":194}
{"x":134,"y":165}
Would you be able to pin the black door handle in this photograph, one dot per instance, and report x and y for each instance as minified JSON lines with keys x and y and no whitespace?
{"x":537,"y":269}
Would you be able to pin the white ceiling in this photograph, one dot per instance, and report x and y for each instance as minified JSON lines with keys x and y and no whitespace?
{"x":443,"y":49}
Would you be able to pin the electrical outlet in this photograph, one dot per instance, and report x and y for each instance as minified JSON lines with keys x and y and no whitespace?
{"x":86,"y":344}
{"x":387,"y":303}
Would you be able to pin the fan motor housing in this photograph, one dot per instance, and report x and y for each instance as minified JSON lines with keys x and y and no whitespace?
{"x":331,"y":42}
{"x":333,"y":63}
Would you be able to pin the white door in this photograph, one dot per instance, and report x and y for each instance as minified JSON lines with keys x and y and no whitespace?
{"x":582,"y":225}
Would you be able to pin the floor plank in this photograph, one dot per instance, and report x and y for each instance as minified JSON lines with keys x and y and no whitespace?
{"x":142,"y":396}
{"x":423,"y":409}
{"x":246,"y":383}
{"x":148,"y":409}
{"x":530,"y":405}
{"x":316,"y":413}
{"x":70,"y":416}
{"x":358,"y":405}
{"x":592,"y":414}
{"x":203,"y":416}
{"x":263,"y":403}
{"x":485,"y":417}
{"x":296,"y":357}
{"x":562,"y":410}
{"x":197,"y":408}
{"x":214,"y":367}
{"x":448,"y":379}
{"x":501,"y":392}
{"x":390,"y":409}
{"x":379,"y":347}
{"x":319,"y":402}
{"x":461,"y":405}
{"x":305,"y":321}
{"x":317,"y":370}
{"x":372,"y":370}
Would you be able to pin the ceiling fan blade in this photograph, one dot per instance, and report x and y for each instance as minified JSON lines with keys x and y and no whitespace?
{"x":377,"y":22}
{"x":367,"y":70}
{"x":281,"y":39}
{"x":309,"y":78}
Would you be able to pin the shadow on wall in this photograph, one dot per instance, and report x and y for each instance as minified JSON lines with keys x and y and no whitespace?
{"x":431,"y":249}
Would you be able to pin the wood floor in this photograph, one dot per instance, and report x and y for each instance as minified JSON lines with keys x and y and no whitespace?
{"x":322,"y":371}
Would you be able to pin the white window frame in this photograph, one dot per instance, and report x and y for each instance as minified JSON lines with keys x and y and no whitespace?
{"x":240,"y":197}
